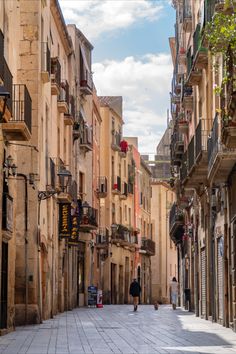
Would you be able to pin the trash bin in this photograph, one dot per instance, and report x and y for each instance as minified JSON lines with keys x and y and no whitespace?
{"x":187,"y":294}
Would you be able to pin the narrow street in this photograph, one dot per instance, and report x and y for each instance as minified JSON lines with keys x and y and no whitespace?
{"x":117,"y":329}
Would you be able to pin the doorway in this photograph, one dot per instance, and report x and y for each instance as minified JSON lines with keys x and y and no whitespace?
{"x":113,"y":284}
{"x":4,"y":287}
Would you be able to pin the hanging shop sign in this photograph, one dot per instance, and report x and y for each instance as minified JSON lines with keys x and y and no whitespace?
{"x":64,"y":220}
{"x":74,"y":235}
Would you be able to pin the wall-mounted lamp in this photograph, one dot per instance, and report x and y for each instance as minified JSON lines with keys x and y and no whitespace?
{"x":9,"y":167}
{"x":3,"y":95}
{"x":65,"y":180}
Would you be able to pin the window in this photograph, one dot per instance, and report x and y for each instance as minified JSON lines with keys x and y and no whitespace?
{"x":124,"y":168}
{"x":125,"y":212}
{"x":129,"y":216}
{"x":113,"y":216}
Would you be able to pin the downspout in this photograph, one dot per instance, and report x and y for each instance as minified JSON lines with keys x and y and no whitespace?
{"x":26,"y":246}
{"x":38,"y":264}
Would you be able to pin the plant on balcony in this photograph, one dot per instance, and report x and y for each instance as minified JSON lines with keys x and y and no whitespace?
{"x":221,"y":36}
{"x":227,"y":121}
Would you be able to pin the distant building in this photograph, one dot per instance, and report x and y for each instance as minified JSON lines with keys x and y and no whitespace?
{"x":160,"y":166}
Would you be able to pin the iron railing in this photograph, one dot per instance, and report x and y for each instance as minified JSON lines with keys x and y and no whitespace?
{"x":56,"y":71}
{"x":88,"y":216}
{"x":64,"y":95}
{"x":117,"y":184}
{"x":86,"y":137}
{"x":189,"y":61}
{"x":72,"y":106}
{"x":187,"y":13}
{"x":213,"y":144}
{"x":102,"y":184}
{"x":103,"y":236}
{"x":148,"y":245}
{"x":116,"y":138}
{"x":184,"y":167}
{"x":176,"y":215}
{"x":22,"y":105}
{"x":191,"y":153}
{"x":201,"y":137}
{"x":197,"y":41}
{"x":45,"y":57}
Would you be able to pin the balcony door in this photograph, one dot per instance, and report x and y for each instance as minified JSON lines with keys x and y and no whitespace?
{"x":4,"y":288}
{"x":113,"y":284}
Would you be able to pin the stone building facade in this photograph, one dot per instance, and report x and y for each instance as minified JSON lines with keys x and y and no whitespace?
{"x":203,"y":160}
{"x":70,"y":184}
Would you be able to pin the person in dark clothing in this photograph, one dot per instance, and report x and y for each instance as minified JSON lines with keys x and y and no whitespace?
{"x":135,"y":290}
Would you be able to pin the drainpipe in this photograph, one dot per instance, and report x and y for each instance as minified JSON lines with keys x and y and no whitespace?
{"x":38,"y":264}
{"x":26,"y":245}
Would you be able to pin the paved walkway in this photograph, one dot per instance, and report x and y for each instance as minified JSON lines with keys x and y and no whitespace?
{"x":117,"y":329}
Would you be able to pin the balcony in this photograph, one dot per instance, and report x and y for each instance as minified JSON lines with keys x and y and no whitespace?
{"x":194,"y":75}
{"x":18,"y":128}
{"x":229,"y":133}
{"x":183,"y":123}
{"x":130,"y":188}
{"x":76,"y":131}
{"x":64,"y":98}
{"x":176,"y":88}
{"x":188,"y":98}
{"x":69,"y":118}
{"x":200,"y":53}
{"x":201,"y":136}
{"x":86,"y":83}
{"x":177,"y":148}
{"x":102,"y":187}
{"x":124,"y":193}
{"x":222,"y":6}
{"x":86,"y":138}
{"x":123,"y":236}
{"x":116,"y":140}
{"x":176,"y":224}
{"x":184,"y":168}
{"x":55,"y":76}
{"x":102,"y":238}
{"x":123,"y":148}
{"x":148,"y":246}
{"x":220,"y":158}
{"x":88,"y":218}
{"x":187,"y":16}
{"x":116,"y":186}
{"x":45,"y":62}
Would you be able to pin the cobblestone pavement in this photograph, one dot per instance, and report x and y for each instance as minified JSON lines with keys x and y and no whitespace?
{"x":117,"y":329}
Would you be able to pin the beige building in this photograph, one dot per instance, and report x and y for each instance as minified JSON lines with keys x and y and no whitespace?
{"x":164,"y":263}
{"x":203,"y":159}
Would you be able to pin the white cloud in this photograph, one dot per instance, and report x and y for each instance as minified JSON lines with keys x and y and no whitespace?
{"x":95,"y":17}
{"x":144,"y":84}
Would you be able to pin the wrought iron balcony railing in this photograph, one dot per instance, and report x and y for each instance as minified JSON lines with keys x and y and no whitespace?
{"x":176,"y":216}
{"x":149,"y":246}
{"x":45,"y":58}
{"x":102,"y":187}
{"x":22,"y":105}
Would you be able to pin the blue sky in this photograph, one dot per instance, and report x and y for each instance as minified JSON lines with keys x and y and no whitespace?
{"x":131,"y":58}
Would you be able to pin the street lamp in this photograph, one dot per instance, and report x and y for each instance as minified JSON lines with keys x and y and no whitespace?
{"x":65,"y":180}
{"x":3,"y":95}
{"x":9,"y":167}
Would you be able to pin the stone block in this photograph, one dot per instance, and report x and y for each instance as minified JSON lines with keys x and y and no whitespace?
{"x":24,"y":47}
{"x":29,"y":62}
{"x":30,"y":32}
{"x":31,"y":6}
{"x":29,"y":18}
{"x":32,"y":314}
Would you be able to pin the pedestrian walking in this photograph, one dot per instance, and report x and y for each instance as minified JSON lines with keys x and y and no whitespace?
{"x":135,"y":290}
{"x":174,"y":291}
